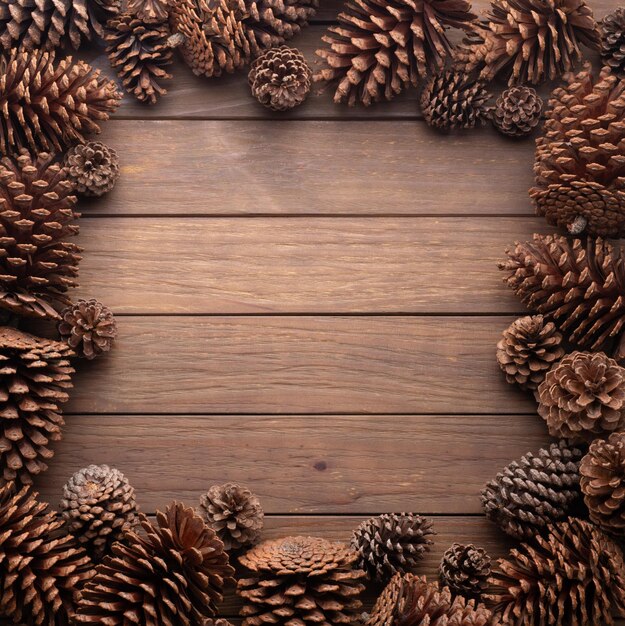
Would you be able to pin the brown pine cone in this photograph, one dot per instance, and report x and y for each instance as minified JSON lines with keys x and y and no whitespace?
{"x":574,"y":576}
{"x":234,"y":513}
{"x":583,"y":396}
{"x":518,"y":111}
{"x":613,"y":42}
{"x":529,"y":347}
{"x":220,"y":621}
{"x":531,"y":493}
{"x":280,"y":78}
{"x":98,"y":505}
{"x":465,"y":570}
{"x":300,"y":580}
{"x":392,"y":543}
{"x":149,"y":11}
{"x":92,"y":167}
{"x":88,"y":327}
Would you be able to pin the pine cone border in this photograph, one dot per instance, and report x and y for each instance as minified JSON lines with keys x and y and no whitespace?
{"x":92,"y":167}
{"x":280,"y":78}
{"x":613,"y":42}
{"x":518,"y":111}
{"x":149,"y":11}
{"x":465,"y":570}
{"x":88,"y":327}
{"x":391,"y":543}
{"x":535,"y":491}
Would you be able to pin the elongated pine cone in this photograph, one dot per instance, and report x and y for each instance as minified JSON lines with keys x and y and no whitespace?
{"x":390,"y":543}
{"x":149,"y":11}
{"x":300,"y":580}
{"x":577,"y":285}
{"x":613,"y":42}
{"x":173,"y":573}
{"x":517,"y":111}
{"x":35,"y":379}
{"x":235,"y":514}
{"x":535,"y":491}
{"x":453,"y":100}
{"x":280,"y":78}
{"x":580,"y":164}
{"x":98,"y":505}
{"x":380,"y":48}
{"x":42,"y":567}
{"x":88,"y":327}
{"x":48,"y":105}
{"x":92,"y":167}
{"x":465,"y":570}
{"x":528,"y":348}
{"x":583,"y":396}
{"x":573,"y":576}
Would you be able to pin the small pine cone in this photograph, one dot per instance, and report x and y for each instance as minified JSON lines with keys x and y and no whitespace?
{"x":465,"y":570}
{"x":583,"y":396}
{"x":280,"y":78}
{"x":517,"y":111}
{"x":534,"y":491}
{"x":89,"y":327}
{"x":92,"y":167}
{"x":529,"y":347}
{"x":98,"y":505}
{"x":149,"y":11}
{"x":613,"y":42}
{"x":452,"y":99}
{"x":235,"y":514}
{"x":392,"y":543}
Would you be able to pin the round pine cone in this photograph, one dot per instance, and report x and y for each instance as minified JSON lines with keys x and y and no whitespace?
{"x":92,"y":167}
{"x":98,"y":505}
{"x":235,"y":514}
{"x":392,"y":543}
{"x":583,"y":396}
{"x":517,"y":111}
{"x":465,"y":570}
{"x":529,"y":347}
{"x":88,"y":327}
{"x":280,"y":78}
{"x":613,"y":42}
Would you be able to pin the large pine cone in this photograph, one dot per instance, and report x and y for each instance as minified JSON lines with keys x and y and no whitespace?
{"x":98,"y":505}
{"x":297,"y":580}
{"x":580,"y":167}
{"x":41,"y":567}
{"x":392,"y":543}
{"x":574,"y":576}
{"x":613,"y":42}
{"x":48,"y":105}
{"x":92,"y":167}
{"x":465,"y":570}
{"x":531,"y":493}
{"x":381,"y":47}
{"x":174,"y":573}
{"x":577,"y":285}
{"x":583,"y":396}
{"x":35,"y":379}
{"x":88,"y":327}
{"x":518,"y":111}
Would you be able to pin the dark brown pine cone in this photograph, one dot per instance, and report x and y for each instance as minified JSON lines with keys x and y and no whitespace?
{"x":465,"y":570}
{"x":613,"y":41}
{"x":583,"y":396}
{"x":149,"y":11}
{"x":280,"y":78}
{"x":392,"y":543}
{"x":92,"y":167}
{"x":531,"y":493}
{"x":517,"y":111}
{"x":89,"y":327}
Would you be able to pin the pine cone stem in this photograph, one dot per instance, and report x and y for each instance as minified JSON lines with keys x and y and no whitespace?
{"x":578,"y":225}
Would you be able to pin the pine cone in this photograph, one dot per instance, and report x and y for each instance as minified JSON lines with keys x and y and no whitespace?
{"x":577,"y":285}
{"x":465,"y":570}
{"x":452,"y":100}
{"x":381,"y":47}
{"x":529,"y":347}
{"x":518,"y":111}
{"x":297,"y":580}
{"x":37,"y":265}
{"x":531,"y":493}
{"x":174,"y":573}
{"x":216,"y":622}
{"x":92,"y":167}
{"x":36,"y":376}
{"x":42,"y":566}
{"x":49,"y":105}
{"x":280,"y":78}
{"x":139,"y":53}
{"x":613,"y":42}
{"x":98,"y":505}
{"x":392,"y":543}
{"x":88,"y":327}
{"x":603,"y":482}
{"x":149,"y":11}
{"x":579,"y":167}
{"x":234,"y":513}
{"x":572,"y":577}
{"x":583,"y":396}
